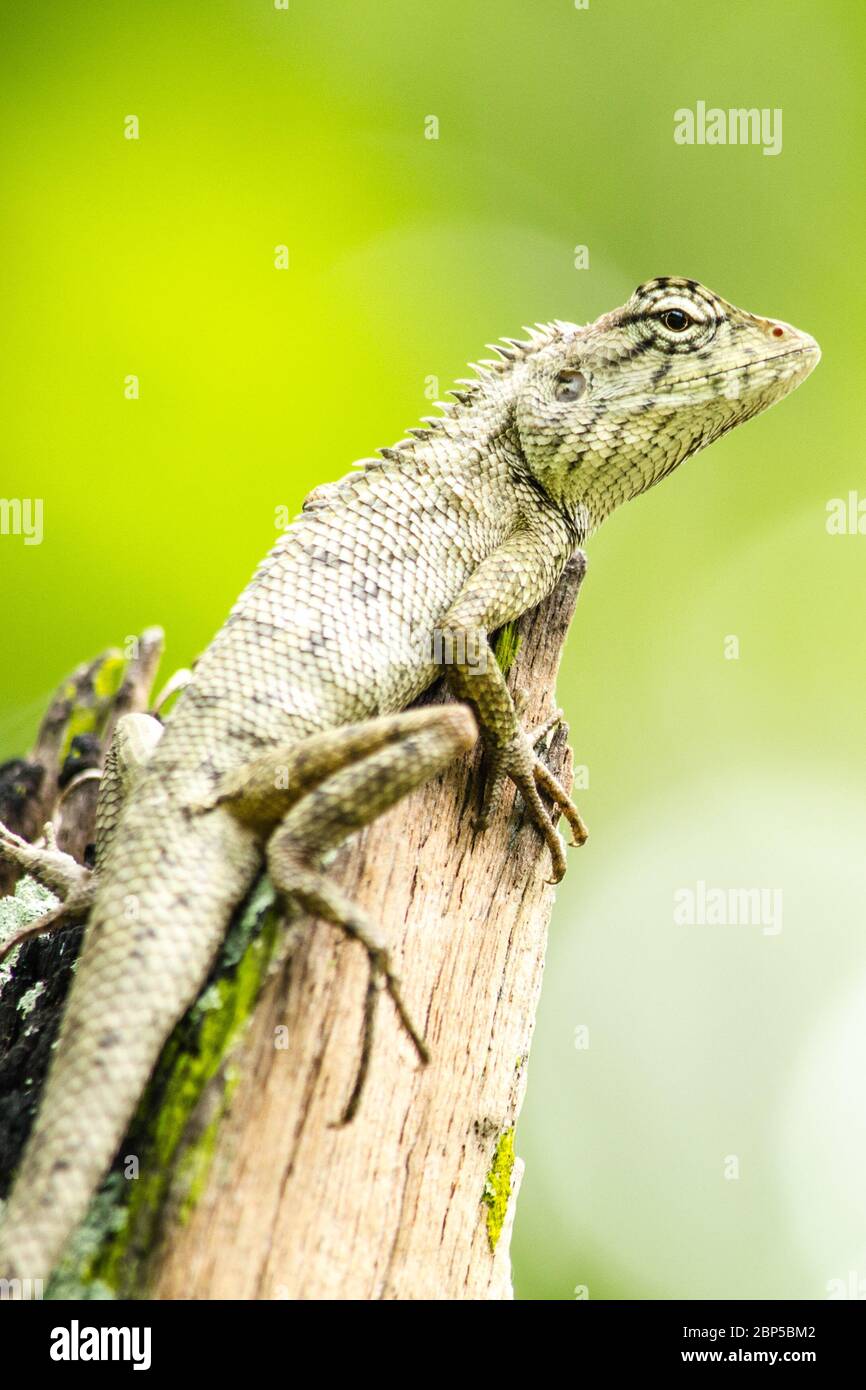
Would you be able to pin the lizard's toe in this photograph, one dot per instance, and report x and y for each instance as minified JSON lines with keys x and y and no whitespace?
{"x":555,"y":790}
{"x":543,"y":822}
{"x":518,"y":762}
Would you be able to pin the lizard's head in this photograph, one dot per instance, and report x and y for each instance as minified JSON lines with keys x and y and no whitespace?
{"x":605,"y":411}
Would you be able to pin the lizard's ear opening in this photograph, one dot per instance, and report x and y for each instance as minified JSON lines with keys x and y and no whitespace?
{"x":569,"y":385}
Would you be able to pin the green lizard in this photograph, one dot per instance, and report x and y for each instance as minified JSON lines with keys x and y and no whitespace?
{"x":294,"y":731}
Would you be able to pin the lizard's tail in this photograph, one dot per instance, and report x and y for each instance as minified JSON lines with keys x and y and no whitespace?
{"x":148,"y":949}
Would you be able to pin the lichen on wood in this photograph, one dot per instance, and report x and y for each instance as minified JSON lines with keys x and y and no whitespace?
{"x":497,"y":1187}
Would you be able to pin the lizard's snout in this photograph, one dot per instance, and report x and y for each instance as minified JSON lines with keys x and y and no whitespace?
{"x":784,"y":337}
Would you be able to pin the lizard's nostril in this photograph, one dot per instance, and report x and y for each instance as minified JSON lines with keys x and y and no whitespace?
{"x":778,"y":332}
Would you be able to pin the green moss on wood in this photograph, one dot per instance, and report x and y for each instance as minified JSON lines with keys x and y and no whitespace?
{"x":506,"y":647}
{"x":108,"y":676}
{"x":91,"y":708}
{"x":173,"y":1135}
{"x":497,"y":1187}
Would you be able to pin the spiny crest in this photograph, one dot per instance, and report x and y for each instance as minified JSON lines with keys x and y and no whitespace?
{"x":465,"y":394}
{"x":467,"y":391}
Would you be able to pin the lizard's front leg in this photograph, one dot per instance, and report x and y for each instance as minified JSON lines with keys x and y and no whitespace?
{"x":508,"y":583}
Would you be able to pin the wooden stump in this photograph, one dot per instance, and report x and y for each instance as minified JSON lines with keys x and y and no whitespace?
{"x":415,"y":1199}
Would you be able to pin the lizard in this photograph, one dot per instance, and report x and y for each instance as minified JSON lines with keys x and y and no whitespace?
{"x":296,"y":728}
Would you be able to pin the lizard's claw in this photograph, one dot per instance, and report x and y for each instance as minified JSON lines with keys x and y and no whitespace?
{"x":517,"y":761}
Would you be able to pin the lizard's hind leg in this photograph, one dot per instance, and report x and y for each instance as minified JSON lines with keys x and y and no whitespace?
{"x":421,"y":743}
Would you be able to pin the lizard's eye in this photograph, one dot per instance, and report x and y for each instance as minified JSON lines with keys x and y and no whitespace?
{"x":676,"y":320}
{"x":569,"y":385}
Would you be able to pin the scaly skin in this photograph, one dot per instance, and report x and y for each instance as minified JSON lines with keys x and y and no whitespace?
{"x":376,"y":587}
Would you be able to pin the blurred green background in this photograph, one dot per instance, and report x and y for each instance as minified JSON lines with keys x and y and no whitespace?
{"x":155,"y":257}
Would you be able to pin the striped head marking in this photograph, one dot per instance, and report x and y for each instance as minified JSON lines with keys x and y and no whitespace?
{"x":605,"y":411}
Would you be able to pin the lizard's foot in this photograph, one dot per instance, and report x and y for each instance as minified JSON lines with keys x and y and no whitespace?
{"x":519,"y":762}
{"x":381,"y":976}
{"x":315,"y":894}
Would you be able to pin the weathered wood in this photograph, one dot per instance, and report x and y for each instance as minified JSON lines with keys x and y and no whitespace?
{"x":57,"y":783}
{"x":53,"y":782}
{"x":233,"y":1181}
{"x":416,"y":1197}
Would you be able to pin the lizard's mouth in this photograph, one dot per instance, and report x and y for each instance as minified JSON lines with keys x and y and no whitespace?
{"x":807,"y":349}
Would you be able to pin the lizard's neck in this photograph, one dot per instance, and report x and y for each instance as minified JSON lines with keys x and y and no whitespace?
{"x":476,"y":433}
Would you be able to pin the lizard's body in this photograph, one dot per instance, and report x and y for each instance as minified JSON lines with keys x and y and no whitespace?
{"x":454,"y":532}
